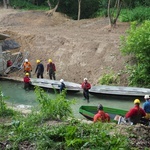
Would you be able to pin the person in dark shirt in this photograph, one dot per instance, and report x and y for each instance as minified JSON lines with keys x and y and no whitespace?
{"x":51,"y":69}
{"x":39,"y":69}
{"x":62,"y":85}
{"x":146,"y":106}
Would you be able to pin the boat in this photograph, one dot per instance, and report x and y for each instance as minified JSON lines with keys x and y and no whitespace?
{"x":54,"y":84}
{"x":89,"y":111}
{"x":119,"y":90}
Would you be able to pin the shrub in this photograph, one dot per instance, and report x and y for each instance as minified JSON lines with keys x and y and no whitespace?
{"x":109,"y":79}
{"x":136,"y":43}
{"x":58,"y":108}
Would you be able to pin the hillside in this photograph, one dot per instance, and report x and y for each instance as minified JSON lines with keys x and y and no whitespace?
{"x":85,"y":48}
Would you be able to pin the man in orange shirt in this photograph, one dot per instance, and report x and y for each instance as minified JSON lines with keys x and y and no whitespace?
{"x":101,"y":115}
{"x":27,"y":67}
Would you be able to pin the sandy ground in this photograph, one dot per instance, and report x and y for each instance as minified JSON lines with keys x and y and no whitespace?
{"x":86,"y":48}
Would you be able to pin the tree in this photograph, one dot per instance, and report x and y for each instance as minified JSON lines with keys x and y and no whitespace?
{"x":114,"y":11}
{"x":52,"y":10}
{"x":79,"y":9}
{"x":137,"y":44}
{"x":6,"y":3}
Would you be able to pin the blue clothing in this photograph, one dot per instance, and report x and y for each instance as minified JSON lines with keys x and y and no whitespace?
{"x":146,"y":106}
{"x":62,"y":87}
{"x":40,"y":70}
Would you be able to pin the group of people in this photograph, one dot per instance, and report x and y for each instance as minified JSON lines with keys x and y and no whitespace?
{"x":134,"y":115}
{"x":51,"y":69}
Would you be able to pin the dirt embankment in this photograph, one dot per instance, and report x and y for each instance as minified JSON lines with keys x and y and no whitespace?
{"x":85,"y":48}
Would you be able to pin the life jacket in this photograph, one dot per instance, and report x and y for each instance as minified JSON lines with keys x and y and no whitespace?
{"x":27,"y":66}
{"x":103,"y":117}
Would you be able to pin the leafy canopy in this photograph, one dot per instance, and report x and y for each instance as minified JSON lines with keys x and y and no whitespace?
{"x":137,"y":43}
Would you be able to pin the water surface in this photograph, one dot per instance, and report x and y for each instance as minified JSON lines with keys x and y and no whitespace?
{"x":17,"y":95}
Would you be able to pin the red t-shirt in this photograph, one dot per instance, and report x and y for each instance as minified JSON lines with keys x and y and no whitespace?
{"x":101,"y":116}
{"x":26,"y":79}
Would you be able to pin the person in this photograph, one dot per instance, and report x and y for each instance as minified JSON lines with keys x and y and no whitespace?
{"x":135,"y":114}
{"x":27,"y":82}
{"x":27,"y":67}
{"x":86,"y":86}
{"x":9,"y":63}
{"x":62,"y":85}
{"x":146,"y":106}
{"x":51,"y":69}
{"x":39,"y":69}
{"x":101,"y":115}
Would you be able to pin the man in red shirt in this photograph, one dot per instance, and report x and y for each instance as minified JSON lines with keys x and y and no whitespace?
{"x":26,"y":80}
{"x":86,"y":86}
{"x":51,"y":69}
{"x":136,"y":113}
{"x":101,"y":115}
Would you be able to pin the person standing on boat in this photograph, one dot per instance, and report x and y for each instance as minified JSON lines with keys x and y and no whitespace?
{"x":39,"y":69}
{"x":51,"y":69}
{"x":62,"y":85}
{"x":101,"y":115}
{"x":136,"y":113}
{"x":146,"y":106}
{"x":86,"y":86}
{"x":26,"y":80}
{"x":27,"y":67}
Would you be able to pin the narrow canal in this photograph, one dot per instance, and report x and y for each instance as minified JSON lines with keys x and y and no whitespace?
{"x":18,"y":96}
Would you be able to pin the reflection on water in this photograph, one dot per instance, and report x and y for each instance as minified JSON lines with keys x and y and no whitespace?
{"x":17,"y":95}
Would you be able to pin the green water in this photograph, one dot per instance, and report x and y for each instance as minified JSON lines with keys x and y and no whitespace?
{"x":17,"y":95}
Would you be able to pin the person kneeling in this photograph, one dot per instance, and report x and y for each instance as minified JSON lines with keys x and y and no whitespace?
{"x":101,"y":115}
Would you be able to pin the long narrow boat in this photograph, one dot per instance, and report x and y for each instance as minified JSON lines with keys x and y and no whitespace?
{"x":119,"y":90}
{"x":89,"y":112}
{"x":54,"y":84}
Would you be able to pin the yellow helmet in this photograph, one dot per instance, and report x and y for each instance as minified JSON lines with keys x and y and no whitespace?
{"x":136,"y":101}
{"x":37,"y":61}
{"x":27,"y":74}
{"x":49,"y":60}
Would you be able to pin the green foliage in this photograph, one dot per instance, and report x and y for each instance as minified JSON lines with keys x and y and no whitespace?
{"x":109,"y":79}
{"x":59,"y":108}
{"x":4,"y":110}
{"x":137,"y":14}
{"x":137,"y":44}
{"x":27,"y":5}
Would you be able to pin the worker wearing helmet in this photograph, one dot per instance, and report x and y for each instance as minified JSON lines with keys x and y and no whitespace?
{"x":86,"y":86}
{"x":136,"y":113}
{"x":62,"y":85}
{"x":101,"y":115}
{"x":51,"y":69}
{"x":39,"y":69}
{"x":26,"y":80}
{"x":27,"y":67}
{"x":146,"y":106}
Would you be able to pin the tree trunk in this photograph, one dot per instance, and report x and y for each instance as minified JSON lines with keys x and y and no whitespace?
{"x":113,"y":16}
{"x":50,"y":12}
{"x":49,"y":4}
{"x":6,"y":3}
{"x":79,"y":9}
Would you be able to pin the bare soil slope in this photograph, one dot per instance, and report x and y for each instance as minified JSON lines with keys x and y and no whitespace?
{"x":85,"y":48}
